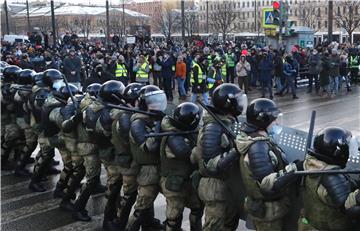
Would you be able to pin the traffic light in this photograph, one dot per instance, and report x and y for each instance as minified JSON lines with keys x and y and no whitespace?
{"x":277,"y":12}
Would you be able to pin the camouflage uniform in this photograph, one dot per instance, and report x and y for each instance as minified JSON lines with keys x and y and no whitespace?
{"x":12,"y":136}
{"x":126,"y":166}
{"x":176,"y":184}
{"x":223,"y":205}
{"x":320,"y":211}
{"x":145,"y":152}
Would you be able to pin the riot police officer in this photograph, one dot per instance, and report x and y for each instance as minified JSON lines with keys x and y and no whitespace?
{"x":176,"y":167}
{"x":219,"y":159}
{"x":97,"y":121}
{"x":9,"y":130}
{"x":24,"y":81}
{"x":53,"y":80}
{"x":145,"y":152}
{"x":126,"y":165}
{"x":331,"y":202}
{"x":265,"y":173}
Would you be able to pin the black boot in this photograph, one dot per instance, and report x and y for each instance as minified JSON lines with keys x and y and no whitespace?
{"x":63,"y":181}
{"x":66,"y":205}
{"x":99,"y":187}
{"x":145,"y":219}
{"x":73,"y":183}
{"x":20,"y":170}
{"x":124,"y":206}
{"x":113,"y":193}
{"x":39,"y":172}
{"x":173,"y":225}
{"x":195,"y":219}
{"x":6,"y":165}
{"x":80,"y":213}
{"x":36,"y":187}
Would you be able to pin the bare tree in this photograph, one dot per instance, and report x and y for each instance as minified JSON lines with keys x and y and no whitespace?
{"x":83,"y":22}
{"x":169,"y":21}
{"x":309,"y":14}
{"x":348,"y":16}
{"x":223,"y":19}
{"x":191,"y":22}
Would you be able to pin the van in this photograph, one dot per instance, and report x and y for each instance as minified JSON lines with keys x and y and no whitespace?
{"x":12,"y":38}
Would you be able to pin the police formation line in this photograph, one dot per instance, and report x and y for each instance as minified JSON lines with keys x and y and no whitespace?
{"x":187,"y":156}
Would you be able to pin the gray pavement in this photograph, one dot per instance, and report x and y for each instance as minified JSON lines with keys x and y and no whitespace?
{"x":22,"y":209}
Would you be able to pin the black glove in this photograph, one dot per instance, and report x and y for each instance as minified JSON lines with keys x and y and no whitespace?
{"x":358,"y":199}
{"x":299,"y":165}
{"x":283,"y":179}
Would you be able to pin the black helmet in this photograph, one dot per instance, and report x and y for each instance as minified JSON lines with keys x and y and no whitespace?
{"x":10,"y":73}
{"x":152,"y":98}
{"x":262,"y":112}
{"x":228,"y":98}
{"x":64,"y":92}
{"x":38,"y":78}
{"x":25,"y":77}
{"x":112,"y":91}
{"x":93,"y":89}
{"x":331,"y":145}
{"x":131,"y":92}
{"x":186,"y":116}
{"x":50,"y":76}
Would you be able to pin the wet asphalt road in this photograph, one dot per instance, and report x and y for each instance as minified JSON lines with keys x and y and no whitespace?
{"x":22,"y":209}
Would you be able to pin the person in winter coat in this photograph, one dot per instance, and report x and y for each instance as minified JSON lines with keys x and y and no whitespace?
{"x":243,"y":67}
{"x":167,"y":75}
{"x":180,"y":74}
{"x":334,"y":72}
{"x":266,"y":67}
{"x":278,"y":71}
{"x":289,"y":72}
{"x":72,"y":68}
{"x":324,"y":80}
{"x":314,"y":70}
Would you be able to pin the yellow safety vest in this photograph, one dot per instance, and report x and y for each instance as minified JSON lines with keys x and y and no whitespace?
{"x":121,"y":71}
{"x":141,"y":75}
{"x":223,"y":70}
{"x":200,"y":74}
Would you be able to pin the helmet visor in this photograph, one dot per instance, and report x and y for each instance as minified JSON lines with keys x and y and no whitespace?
{"x":58,"y":84}
{"x":241,"y":102}
{"x":156,"y":100}
{"x":354,"y":147}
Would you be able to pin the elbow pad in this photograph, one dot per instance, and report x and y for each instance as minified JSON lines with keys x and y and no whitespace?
{"x":68,"y":125}
{"x":338,"y":188}
{"x":211,"y":141}
{"x":259,"y":161}
{"x":228,"y":158}
{"x":138,"y":131}
{"x":179,"y":147}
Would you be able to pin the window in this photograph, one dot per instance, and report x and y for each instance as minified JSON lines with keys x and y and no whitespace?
{"x":325,"y":10}
{"x":319,"y":12}
{"x":238,"y":4}
{"x":290,"y":12}
{"x":252,"y":4}
{"x":211,"y":7}
{"x":243,"y":4}
{"x":326,"y":24}
{"x":248,"y":14}
{"x":295,"y":12}
{"x":248,"y":4}
{"x":338,"y":10}
{"x":319,"y":24}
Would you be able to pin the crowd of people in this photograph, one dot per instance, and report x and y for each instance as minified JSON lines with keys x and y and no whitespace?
{"x":101,"y":106}
{"x":328,"y":67}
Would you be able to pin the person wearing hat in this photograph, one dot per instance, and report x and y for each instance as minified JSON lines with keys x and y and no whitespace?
{"x":72,"y":68}
{"x":121,"y":72}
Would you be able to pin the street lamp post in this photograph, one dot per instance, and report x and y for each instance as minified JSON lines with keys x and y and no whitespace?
{"x":207,"y":16}
{"x":53,"y":21}
{"x":330,"y":20}
{"x":28,"y":15}
{"x":123,"y":19}
{"x":7,"y":18}
{"x":107,"y":23}
{"x":183,"y":20}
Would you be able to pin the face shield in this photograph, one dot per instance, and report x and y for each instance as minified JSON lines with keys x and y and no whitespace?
{"x":354,"y":147}
{"x":58,"y":84}
{"x":276,"y":126}
{"x":241,"y":103}
{"x":156,"y":100}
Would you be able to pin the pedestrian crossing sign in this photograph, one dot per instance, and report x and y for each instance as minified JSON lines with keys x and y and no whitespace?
{"x":268,"y":18}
